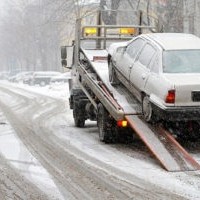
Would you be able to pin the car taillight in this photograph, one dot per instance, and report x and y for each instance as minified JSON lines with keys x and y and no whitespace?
{"x":170,"y":98}
{"x":122,"y":123}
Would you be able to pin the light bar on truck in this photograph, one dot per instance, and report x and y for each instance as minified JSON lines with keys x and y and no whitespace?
{"x":127,"y":31}
{"x":90,"y":31}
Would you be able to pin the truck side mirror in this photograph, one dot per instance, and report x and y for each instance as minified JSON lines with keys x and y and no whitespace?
{"x":64,"y":56}
{"x":64,"y":52}
{"x":64,"y":63}
{"x":67,"y":56}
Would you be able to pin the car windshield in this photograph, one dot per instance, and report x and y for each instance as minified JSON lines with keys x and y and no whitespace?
{"x":181,"y":61}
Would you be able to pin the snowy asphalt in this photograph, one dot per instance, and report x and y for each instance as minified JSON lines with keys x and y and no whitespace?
{"x":43,"y":156}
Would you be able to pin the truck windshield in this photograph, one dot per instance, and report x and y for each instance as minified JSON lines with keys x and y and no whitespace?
{"x":181,"y":61}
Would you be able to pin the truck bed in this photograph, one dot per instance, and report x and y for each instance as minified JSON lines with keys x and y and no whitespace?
{"x":121,"y":104}
{"x":123,"y":97}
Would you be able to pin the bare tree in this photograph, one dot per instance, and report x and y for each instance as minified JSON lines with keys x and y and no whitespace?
{"x":32,"y":32}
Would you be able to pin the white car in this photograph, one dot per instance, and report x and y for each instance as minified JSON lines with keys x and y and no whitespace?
{"x":62,"y":78}
{"x":163,"y":71}
{"x":43,"y":77}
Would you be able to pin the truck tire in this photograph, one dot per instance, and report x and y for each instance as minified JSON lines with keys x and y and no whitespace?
{"x":112,"y":74}
{"x":78,"y":114}
{"x":105,"y":132}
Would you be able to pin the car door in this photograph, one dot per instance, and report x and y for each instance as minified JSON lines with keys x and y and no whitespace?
{"x":125,"y":62}
{"x":155,"y":83}
{"x":140,"y":70}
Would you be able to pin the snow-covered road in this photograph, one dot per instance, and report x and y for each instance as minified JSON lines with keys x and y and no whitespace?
{"x":43,"y":156}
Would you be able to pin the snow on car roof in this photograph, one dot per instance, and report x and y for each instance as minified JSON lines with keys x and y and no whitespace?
{"x":174,"y":41}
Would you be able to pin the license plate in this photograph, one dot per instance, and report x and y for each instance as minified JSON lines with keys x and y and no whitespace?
{"x":196,"y":96}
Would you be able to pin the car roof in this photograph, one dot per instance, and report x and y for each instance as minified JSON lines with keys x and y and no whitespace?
{"x":47,"y":72}
{"x":174,"y":41}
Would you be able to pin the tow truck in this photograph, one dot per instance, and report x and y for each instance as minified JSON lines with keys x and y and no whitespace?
{"x":115,"y":109}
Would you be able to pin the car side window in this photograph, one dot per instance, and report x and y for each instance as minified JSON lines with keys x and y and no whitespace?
{"x":155,"y":64}
{"x":134,"y":47}
{"x":146,"y":55}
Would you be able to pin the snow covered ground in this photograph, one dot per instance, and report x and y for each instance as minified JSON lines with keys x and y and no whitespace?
{"x":20,"y":157}
{"x":84,"y":144}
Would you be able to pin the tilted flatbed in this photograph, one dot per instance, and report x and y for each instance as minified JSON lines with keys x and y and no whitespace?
{"x":122,"y":105}
{"x":120,"y":99}
{"x":114,"y":108}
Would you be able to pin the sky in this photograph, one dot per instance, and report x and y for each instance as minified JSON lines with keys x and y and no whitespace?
{"x":2,"y":7}
{"x":1,"y":3}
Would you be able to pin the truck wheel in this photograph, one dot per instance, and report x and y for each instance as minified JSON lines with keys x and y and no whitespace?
{"x":103,"y":125}
{"x":147,"y":110}
{"x":78,"y":115}
{"x":112,"y":74}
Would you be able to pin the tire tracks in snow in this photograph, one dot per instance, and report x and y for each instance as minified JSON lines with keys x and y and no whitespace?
{"x":82,"y":181}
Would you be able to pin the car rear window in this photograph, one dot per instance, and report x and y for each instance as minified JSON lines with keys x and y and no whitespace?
{"x":181,"y":61}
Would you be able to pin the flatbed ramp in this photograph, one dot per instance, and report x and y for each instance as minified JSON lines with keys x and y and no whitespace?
{"x":164,"y":147}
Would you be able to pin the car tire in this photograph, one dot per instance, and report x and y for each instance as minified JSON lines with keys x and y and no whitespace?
{"x":42,"y":83}
{"x":147,"y":110}
{"x":112,"y":74}
{"x":103,"y":125}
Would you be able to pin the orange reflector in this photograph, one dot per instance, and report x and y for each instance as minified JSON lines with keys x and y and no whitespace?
{"x":99,"y":58}
{"x":122,"y":123}
{"x":170,"y":98}
{"x":127,"y":31}
{"x":90,"y":31}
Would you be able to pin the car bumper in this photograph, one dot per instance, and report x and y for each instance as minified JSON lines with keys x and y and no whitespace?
{"x":177,"y":113}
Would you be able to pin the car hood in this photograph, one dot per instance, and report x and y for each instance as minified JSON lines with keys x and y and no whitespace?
{"x":183,"y":79}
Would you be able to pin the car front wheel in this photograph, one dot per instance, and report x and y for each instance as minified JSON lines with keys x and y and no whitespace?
{"x":42,"y":83}
{"x":112,"y":74}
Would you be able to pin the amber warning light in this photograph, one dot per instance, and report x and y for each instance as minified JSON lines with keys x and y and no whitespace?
{"x":122,"y":123}
{"x":90,"y":31}
{"x":127,"y":31}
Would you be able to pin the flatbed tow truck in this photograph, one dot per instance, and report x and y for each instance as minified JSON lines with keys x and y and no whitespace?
{"x":114,"y":108}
